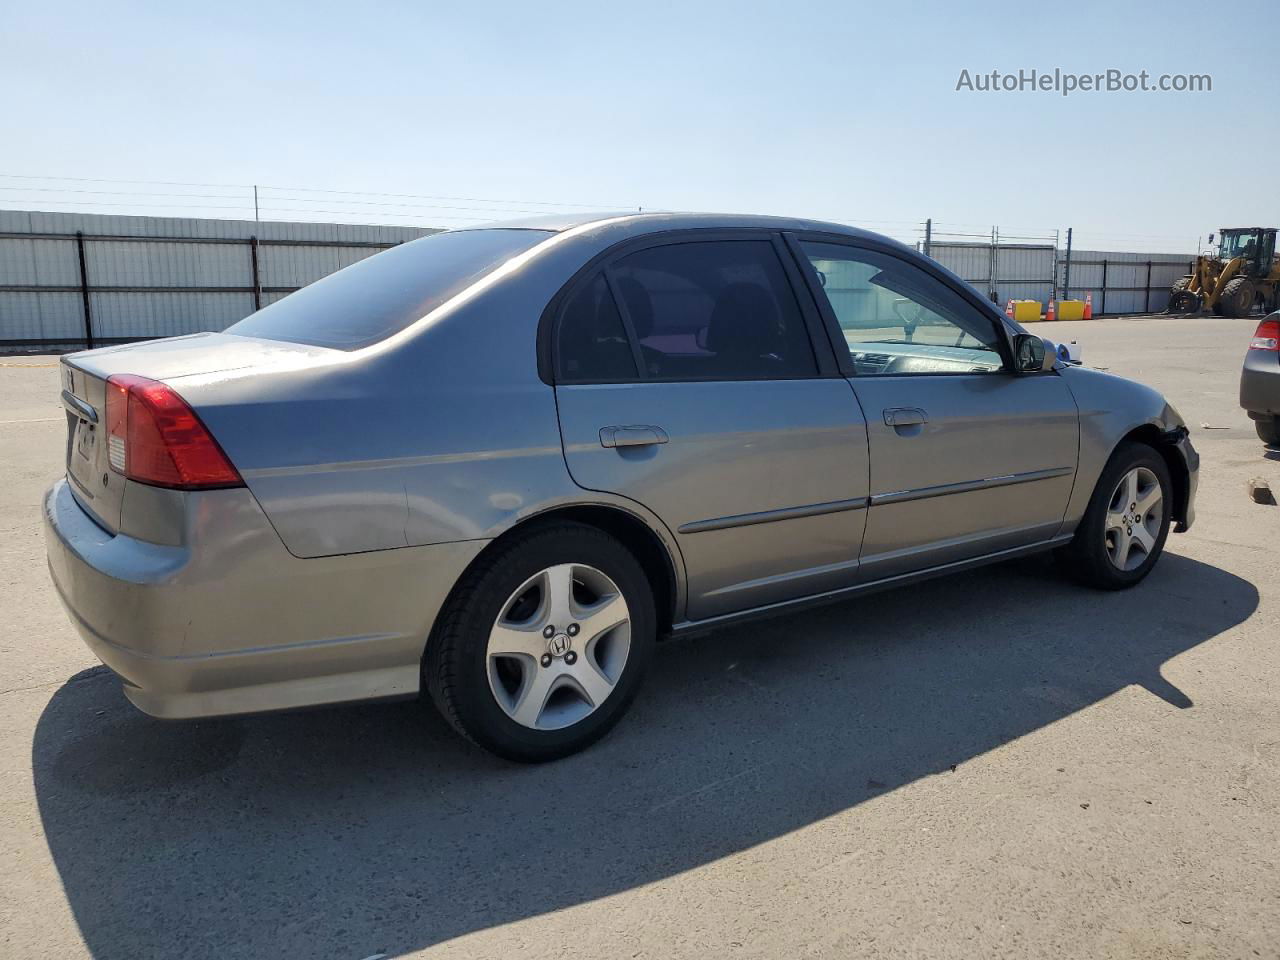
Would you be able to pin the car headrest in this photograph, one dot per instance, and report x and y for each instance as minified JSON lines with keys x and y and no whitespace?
{"x":744,"y":322}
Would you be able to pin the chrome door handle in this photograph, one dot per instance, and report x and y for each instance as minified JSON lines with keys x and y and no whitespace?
{"x":632,"y":436}
{"x":905,"y":416}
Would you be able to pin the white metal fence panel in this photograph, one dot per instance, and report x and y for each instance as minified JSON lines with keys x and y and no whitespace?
{"x":1023,"y":272}
{"x":1000,"y":272}
{"x":162,"y":276}
{"x":1123,"y":282}
{"x":296,"y":266}
{"x":1119,"y":281}
{"x":138,"y":263}
{"x":39,"y":262}
{"x":143,"y":316}
{"x":27,"y":317}
{"x":143,"y":277}
{"x":971,"y":262}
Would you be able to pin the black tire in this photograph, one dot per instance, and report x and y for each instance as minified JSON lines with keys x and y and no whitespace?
{"x":1085,"y":558}
{"x":1236,"y":299}
{"x":1268,"y":431}
{"x":1184,"y":301}
{"x":1181,"y":298}
{"x":455,"y":666}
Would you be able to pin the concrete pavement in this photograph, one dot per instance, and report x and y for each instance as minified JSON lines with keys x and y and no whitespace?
{"x":996,"y":764}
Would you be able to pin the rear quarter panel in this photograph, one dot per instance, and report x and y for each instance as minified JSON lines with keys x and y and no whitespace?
{"x":439,"y":439}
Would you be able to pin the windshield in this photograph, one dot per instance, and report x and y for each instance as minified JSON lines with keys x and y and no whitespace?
{"x":1239,"y":245}
{"x":381,"y":295}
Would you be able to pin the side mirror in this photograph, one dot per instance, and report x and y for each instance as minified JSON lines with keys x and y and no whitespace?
{"x":1030,"y":355}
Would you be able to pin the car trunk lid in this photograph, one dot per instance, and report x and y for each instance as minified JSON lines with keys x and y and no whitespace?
{"x":99,"y":489}
{"x":185,"y":356}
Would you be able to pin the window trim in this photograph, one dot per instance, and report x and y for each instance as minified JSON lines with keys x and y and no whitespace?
{"x":825,"y":359}
{"x":624,"y":316}
{"x":831,"y":323}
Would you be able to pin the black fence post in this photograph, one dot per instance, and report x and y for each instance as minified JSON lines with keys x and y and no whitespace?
{"x":994,"y":271}
{"x":84,"y":290}
{"x":1102,"y":307}
{"x":257,"y":282}
{"x":1066,"y":273}
{"x":1147,"y":305}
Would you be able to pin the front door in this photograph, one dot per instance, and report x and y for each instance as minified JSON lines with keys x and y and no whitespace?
{"x":686,"y":380}
{"x":967,"y":458}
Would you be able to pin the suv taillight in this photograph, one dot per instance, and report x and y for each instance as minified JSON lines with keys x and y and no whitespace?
{"x":1267,"y":336}
{"x":154,"y":437}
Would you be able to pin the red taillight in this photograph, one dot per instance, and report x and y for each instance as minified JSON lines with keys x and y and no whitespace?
{"x":1267,"y":336}
{"x":154,"y":437}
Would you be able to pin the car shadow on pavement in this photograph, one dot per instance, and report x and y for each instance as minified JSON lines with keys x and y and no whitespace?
{"x":350,"y":831}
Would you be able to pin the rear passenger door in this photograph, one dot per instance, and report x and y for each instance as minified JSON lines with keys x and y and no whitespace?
{"x":687,"y":380}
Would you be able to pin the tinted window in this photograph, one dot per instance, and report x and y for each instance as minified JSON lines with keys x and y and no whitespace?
{"x":591,"y":343}
{"x":718,"y":310}
{"x":370,"y":300}
{"x":897,"y":319}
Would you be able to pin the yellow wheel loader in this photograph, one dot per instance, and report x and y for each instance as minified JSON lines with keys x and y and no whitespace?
{"x":1243,"y":275}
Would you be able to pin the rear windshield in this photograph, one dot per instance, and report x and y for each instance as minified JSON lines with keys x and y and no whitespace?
{"x":370,"y":300}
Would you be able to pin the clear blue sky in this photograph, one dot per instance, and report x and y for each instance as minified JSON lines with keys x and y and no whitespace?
{"x":845,"y":111}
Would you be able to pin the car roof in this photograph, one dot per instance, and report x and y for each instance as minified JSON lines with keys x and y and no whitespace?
{"x":653,"y":221}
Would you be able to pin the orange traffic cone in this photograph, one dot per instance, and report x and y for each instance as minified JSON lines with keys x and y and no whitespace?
{"x":1008,"y":309}
{"x":1088,"y":306}
{"x":1053,"y":311}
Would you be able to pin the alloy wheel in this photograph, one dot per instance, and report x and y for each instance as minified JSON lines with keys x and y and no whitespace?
{"x":559,"y":646}
{"x":1134,"y":517}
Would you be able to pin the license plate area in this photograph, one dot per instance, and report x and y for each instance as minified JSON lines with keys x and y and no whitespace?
{"x":86,"y":440}
{"x":82,"y":448}
{"x":81,"y":464}
{"x":98,"y":489}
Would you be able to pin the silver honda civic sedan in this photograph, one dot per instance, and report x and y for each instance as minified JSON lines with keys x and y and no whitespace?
{"x":499,"y":464}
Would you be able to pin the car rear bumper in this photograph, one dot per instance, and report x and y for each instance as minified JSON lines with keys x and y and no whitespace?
{"x":229,"y":622}
{"x":1260,"y":384}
